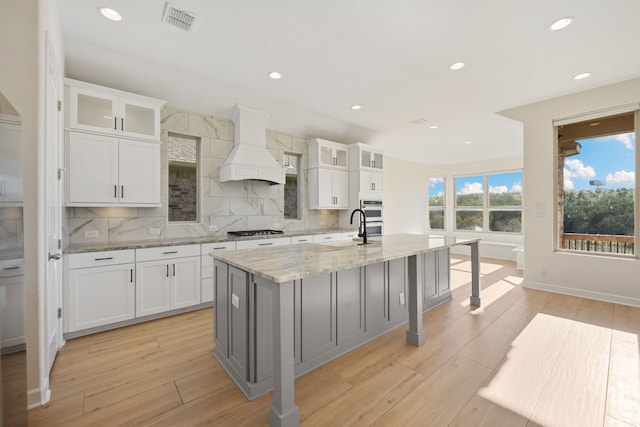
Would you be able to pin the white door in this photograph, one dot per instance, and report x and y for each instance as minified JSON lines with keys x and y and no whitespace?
{"x":139,"y":172}
{"x":153,"y":287}
{"x":185,"y":286}
{"x":53,"y":230}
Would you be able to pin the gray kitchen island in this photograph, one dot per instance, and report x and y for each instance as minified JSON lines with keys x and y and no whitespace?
{"x":283,"y":311}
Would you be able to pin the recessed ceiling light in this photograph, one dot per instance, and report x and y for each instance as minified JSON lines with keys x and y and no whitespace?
{"x":561,"y":23}
{"x":456,"y":66}
{"x":110,"y":14}
{"x":356,"y":107}
{"x":467,"y":142}
{"x":581,"y":76}
{"x":433,"y":127}
{"x":274,"y":75}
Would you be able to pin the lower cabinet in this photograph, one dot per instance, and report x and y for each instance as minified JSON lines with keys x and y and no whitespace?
{"x":376,"y":304}
{"x":12,"y":336}
{"x":206,"y":262}
{"x":350,"y":303}
{"x":100,"y":289}
{"x":167,"y":283}
{"x":317,"y":308}
{"x":436,"y":270}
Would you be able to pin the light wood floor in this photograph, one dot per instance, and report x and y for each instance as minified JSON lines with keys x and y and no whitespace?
{"x":527,"y":358}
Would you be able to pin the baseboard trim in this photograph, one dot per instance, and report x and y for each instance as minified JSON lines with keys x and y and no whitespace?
{"x":39,"y":396}
{"x":599,"y":296}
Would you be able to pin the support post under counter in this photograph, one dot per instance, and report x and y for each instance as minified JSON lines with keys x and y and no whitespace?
{"x":475,"y":274}
{"x":284,"y":411}
{"x":415,"y":333}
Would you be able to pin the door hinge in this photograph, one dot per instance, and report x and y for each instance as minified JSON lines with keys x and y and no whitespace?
{"x":59,"y":312}
{"x":59,"y":243}
{"x":59,"y":174}
{"x":59,"y":105}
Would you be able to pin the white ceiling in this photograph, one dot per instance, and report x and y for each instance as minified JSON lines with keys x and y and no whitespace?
{"x":391,"y":57}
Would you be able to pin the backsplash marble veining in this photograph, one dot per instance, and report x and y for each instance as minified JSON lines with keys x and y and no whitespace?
{"x":228,"y":206}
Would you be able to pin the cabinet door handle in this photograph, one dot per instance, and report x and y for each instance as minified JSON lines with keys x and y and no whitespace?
{"x":265,"y":244}
{"x":103,"y":259}
{"x":11,"y":268}
{"x":169,"y":252}
{"x":373,"y":163}
{"x":303,"y":240}
{"x":115,"y":191}
{"x":221,"y":247}
{"x":373,"y":185}
{"x":122,"y":191}
{"x":122,"y":124}
{"x":115,"y":123}
{"x":174,"y":270}
{"x":131,"y":279}
{"x":167,"y":270}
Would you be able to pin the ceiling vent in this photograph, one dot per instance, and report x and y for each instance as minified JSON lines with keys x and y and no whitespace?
{"x":182,"y":19}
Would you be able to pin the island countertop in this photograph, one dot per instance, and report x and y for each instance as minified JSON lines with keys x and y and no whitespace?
{"x":286,"y":263}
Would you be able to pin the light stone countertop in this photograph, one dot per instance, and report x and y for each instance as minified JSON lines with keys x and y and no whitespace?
{"x":285,"y":263}
{"x":141,"y":244}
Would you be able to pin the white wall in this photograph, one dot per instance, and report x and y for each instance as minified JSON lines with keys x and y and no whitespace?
{"x":405,"y":199}
{"x":599,"y":277}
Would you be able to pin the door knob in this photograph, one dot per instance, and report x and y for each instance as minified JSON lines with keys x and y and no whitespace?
{"x":54,"y":256}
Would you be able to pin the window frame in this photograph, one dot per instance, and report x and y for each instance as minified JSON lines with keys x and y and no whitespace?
{"x":486,"y":208}
{"x":442,"y":209}
{"x":558,"y":180}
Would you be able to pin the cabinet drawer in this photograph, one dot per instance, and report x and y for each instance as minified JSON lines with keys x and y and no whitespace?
{"x":219,"y":246}
{"x":262,"y":243}
{"x":166,"y":252}
{"x":333,"y":237}
{"x":12,"y":268}
{"x":301,"y":239}
{"x":350,"y":235}
{"x":97,"y":259}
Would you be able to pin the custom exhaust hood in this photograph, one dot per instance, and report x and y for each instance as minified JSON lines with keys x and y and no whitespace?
{"x":250,"y":159}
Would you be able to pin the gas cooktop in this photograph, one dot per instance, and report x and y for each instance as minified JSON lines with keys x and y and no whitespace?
{"x":248,"y":233}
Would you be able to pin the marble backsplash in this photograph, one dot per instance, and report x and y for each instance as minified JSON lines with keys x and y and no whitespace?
{"x":227,"y":206}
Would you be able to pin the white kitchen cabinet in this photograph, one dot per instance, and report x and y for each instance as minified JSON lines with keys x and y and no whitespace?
{"x":371,"y":184}
{"x":104,"y":110}
{"x":371,"y":159}
{"x":167,"y":278}
{"x":99,"y":290}
{"x":105,"y":170}
{"x":206,"y":261}
{"x":328,"y":189}
{"x":323,"y":153}
{"x":12,"y":301}
{"x":10,"y":164}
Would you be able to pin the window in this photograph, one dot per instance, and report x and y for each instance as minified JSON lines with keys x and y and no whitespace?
{"x":291,"y":186}
{"x":489,"y":202}
{"x":505,"y":202}
{"x":436,"y":199}
{"x":183,"y":192}
{"x":469,"y":203}
{"x":596,"y":178}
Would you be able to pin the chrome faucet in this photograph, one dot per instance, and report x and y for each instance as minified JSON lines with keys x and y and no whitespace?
{"x":362,"y":228}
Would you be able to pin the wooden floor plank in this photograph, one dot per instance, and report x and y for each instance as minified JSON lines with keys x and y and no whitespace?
{"x":439,"y":398}
{"x":623,"y":391}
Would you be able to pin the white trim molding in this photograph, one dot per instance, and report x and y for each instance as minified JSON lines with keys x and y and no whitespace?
{"x":598,"y":296}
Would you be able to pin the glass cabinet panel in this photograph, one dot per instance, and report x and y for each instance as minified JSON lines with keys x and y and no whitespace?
{"x":377,"y":160}
{"x":341,"y":157}
{"x":366,"y":159}
{"x":95,"y":112}
{"x":326,"y":155}
{"x":139,"y":119}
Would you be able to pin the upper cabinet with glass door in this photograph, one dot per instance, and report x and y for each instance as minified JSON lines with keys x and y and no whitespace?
{"x":370,"y":158}
{"x":96,"y":108}
{"x":323,"y":153}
